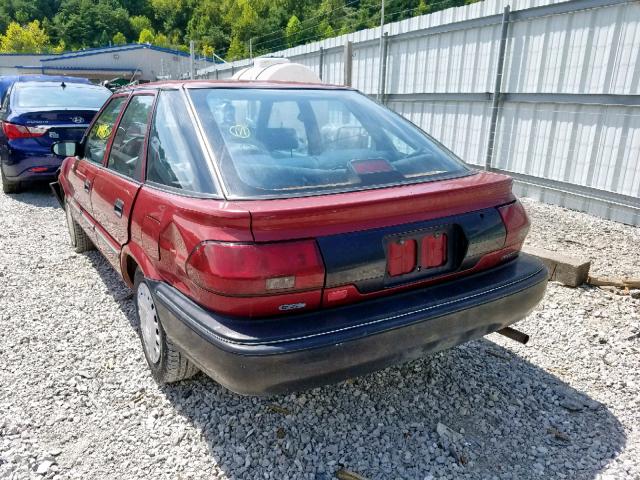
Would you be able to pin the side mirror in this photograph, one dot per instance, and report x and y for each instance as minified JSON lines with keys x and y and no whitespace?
{"x":65,"y":149}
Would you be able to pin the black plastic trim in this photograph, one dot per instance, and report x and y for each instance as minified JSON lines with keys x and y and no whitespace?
{"x":304,"y":350}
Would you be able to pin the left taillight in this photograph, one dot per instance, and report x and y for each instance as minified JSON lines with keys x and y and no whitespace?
{"x":13,"y":131}
{"x":239,"y":269}
{"x":516,"y":222}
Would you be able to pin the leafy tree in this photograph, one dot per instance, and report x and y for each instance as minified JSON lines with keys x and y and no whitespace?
{"x":146,"y":36}
{"x":237,"y":50}
{"x":293,"y":31}
{"x":242,"y":18}
{"x":139,"y":23}
{"x":161,"y":40}
{"x":28,"y":39}
{"x":222,"y":26}
{"x":207,"y":27}
{"x":325,"y":30}
{"x":119,"y":39}
{"x":25,"y":11}
{"x":60,"y":48}
{"x":423,"y":8}
{"x":81,"y":23}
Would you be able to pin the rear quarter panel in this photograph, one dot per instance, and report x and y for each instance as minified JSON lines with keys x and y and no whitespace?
{"x":166,"y":227}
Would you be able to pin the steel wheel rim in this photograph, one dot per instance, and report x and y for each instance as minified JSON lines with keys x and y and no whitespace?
{"x":149,"y":325}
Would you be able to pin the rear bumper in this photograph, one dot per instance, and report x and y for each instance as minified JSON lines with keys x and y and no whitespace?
{"x":302,"y":351}
{"x":18,"y":164}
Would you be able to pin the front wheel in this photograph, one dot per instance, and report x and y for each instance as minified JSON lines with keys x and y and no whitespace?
{"x":166,"y":362}
{"x":79,"y":239}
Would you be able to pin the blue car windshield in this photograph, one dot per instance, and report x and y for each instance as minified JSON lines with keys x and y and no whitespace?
{"x":71,"y":96}
{"x":275,"y":143}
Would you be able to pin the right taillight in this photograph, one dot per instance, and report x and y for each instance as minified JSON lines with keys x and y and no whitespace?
{"x":516,"y":222}
{"x":14,"y":131}
{"x":239,"y":269}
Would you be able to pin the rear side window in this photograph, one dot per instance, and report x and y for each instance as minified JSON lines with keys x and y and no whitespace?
{"x":96,"y":142}
{"x":276,"y":143}
{"x":174,"y":157}
{"x":128,"y":145}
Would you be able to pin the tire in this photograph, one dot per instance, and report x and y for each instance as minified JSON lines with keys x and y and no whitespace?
{"x":166,"y":362}
{"x":7,"y":185}
{"x":79,"y":239}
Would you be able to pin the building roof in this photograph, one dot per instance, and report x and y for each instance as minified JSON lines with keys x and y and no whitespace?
{"x":113,"y":49}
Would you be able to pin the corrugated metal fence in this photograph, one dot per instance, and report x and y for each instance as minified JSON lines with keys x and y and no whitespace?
{"x":559,"y":110}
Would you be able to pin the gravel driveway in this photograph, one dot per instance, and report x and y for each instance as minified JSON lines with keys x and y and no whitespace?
{"x":77,"y":401}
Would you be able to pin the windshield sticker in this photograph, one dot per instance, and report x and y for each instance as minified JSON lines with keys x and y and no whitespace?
{"x":104,"y":131}
{"x":240,"y":131}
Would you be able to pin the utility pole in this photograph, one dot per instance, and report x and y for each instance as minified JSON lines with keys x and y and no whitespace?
{"x":380,"y":72}
{"x":191,"y":55}
{"x":251,"y":48}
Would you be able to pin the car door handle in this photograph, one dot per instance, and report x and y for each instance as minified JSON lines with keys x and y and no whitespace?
{"x":118,"y":208}
{"x":87,"y":186}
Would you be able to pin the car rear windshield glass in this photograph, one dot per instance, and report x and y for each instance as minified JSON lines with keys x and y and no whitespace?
{"x":290,"y":142}
{"x":71,"y":96}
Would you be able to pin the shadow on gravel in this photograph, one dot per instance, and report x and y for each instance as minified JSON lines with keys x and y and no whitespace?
{"x":516,"y":420}
{"x":37,"y":194}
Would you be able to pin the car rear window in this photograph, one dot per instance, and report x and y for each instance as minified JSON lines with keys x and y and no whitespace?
{"x":277,"y":143}
{"x":55,"y":95}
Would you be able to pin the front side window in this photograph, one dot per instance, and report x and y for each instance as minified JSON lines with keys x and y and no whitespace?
{"x":174,"y":157}
{"x":126,"y":152}
{"x":98,"y":137}
{"x":276,"y":143}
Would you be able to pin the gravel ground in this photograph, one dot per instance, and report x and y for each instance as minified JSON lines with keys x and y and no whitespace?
{"x":77,"y":401}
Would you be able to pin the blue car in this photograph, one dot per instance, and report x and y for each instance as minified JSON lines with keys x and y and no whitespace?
{"x":37,"y":111}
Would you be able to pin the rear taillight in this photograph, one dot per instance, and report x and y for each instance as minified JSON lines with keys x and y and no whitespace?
{"x":516,"y":221}
{"x":236,"y":269}
{"x":14,"y":132}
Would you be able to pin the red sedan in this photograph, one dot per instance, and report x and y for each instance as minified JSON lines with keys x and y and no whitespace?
{"x":280,"y":236}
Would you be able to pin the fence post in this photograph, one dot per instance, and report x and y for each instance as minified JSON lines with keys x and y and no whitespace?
{"x":321,"y":62}
{"x":383,"y":68}
{"x":497,"y":87}
{"x":348,"y":62}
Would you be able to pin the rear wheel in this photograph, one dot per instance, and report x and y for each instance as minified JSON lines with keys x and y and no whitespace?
{"x":7,"y":185}
{"x":80,"y":241}
{"x":166,"y":362}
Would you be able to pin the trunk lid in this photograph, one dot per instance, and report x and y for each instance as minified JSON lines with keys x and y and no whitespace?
{"x":318,"y":216}
{"x":60,"y":125}
{"x":387,"y":238}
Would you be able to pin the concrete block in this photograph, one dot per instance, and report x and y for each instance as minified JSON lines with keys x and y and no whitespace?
{"x":568,"y":270}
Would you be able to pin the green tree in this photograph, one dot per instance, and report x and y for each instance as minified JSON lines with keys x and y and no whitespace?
{"x":325,"y":30}
{"x":85,"y":23}
{"x":146,"y":36}
{"x":423,"y":8}
{"x":59,"y":48}
{"x":119,"y":39}
{"x":293,"y":32}
{"x":139,"y":23}
{"x":237,"y":50}
{"x":28,"y":39}
{"x":161,"y":40}
{"x":206,"y":25}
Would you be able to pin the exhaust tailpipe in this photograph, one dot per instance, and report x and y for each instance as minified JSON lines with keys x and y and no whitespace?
{"x":514,"y":334}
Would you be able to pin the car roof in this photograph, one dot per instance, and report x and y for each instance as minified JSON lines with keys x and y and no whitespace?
{"x":234,"y":84}
{"x":57,"y":83}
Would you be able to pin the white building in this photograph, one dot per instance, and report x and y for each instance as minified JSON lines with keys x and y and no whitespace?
{"x":133,"y":61}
